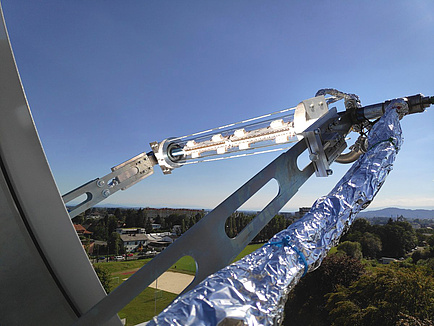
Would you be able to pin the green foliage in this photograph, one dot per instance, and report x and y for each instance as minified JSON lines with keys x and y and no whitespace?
{"x":400,"y":294}
{"x":79,"y":219}
{"x":406,"y":320}
{"x":397,"y":238}
{"x":104,"y":277}
{"x":351,"y":249}
{"x":361,"y":225}
{"x":115,"y":267}
{"x":371,"y":245}
{"x":112,"y":224}
{"x":378,"y":298}
{"x":394,"y":239}
{"x":306,"y":303}
{"x":114,"y":244}
{"x":148,"y":226}
{"x":430,"y":240}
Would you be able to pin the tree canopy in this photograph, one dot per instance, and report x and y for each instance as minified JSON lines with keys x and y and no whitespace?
{"x":379,"y":298}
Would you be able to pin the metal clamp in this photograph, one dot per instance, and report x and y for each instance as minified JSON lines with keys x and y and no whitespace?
{"x":324,"y":142}
{"x":122,"y":177}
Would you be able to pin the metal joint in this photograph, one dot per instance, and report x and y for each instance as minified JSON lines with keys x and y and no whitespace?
{"x":122,"y":177}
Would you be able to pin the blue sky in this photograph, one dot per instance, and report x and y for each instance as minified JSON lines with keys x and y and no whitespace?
{"x":105,"y":78}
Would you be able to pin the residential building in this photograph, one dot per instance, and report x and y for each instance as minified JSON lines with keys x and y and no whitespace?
{"x":134,"y":242}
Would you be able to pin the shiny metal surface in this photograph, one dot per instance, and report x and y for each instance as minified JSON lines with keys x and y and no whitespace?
{"x":122,"y":177}
{"x":216,"y":249}
{"x":253,"y":290}
{"x":252,"y":136}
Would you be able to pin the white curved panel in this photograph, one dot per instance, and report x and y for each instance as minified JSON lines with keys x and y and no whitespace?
{"x":43,"y":267}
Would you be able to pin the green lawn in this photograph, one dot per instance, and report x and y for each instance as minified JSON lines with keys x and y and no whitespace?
{"x":122,"y":266}
{"x":146,"y":305}
{"x":248,"y":250}
{"x":151,"y":302}
{"x":187,"y":264}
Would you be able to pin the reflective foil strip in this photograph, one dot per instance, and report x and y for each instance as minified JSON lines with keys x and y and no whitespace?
{"x":253,"y":290}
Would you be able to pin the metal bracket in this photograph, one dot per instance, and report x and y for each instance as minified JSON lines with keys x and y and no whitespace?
{"x":207,"y":241}
{"x":122,"y":177}
{"x":324,"y":143}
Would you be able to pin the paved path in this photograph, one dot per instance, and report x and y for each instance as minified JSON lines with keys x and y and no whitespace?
{"x":172,"y":282}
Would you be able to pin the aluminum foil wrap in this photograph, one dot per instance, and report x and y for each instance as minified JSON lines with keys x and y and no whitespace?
{"x":253,"y":290}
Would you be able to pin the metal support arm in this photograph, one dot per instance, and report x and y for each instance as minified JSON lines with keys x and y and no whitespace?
{"x":216,"y":249}
{"x":122,"y":177}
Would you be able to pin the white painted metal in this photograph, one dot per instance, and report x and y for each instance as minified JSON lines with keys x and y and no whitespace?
{"x":46,"y":277}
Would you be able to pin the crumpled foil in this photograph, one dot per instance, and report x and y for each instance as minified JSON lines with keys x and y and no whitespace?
{"x":253,"y":290}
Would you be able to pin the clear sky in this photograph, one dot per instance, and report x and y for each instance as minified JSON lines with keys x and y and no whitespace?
{"x":105,"y":78}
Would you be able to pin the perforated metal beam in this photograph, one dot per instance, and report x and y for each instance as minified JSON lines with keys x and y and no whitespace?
{"x":207,"y":241}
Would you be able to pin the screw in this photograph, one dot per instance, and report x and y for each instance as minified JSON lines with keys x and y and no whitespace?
{"x":317,"y":131}
{"x":106,"y":193}
{"x":329,"y":172}
{"x":100,"y":183}
{"x":314,"y":157}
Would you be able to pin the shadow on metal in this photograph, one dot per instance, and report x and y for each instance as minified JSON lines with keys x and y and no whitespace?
{"x":207,"y":241}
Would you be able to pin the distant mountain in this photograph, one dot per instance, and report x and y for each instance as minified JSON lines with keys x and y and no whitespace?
{"x":395,"y":212}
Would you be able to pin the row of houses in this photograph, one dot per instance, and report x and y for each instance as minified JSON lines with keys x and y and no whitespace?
{"x":133,"y":239}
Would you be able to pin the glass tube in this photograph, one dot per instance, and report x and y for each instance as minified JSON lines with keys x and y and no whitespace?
{"x":263,"y":134}
{"x":253,"y":136}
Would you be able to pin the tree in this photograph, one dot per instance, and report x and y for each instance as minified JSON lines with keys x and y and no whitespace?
{"x":306,"y":302}
{"x":148,"y":225}
{"x":397,"y":238}
{"x":406,"y":320}
{"x":112,"y":224}
{"x":118,"y":213}
{"x":379,"y":298}
{"x":183,"y":229}
{"x":131,"y":218}
{"x":371,"y":245}
{"x":114,"y":244}
{"x":79,"y":219}
{"x":141,"y":218}
{"x":99,"y":230}
{"x":430,"y":240}
{"x":362,"y":225}
{"x":351,"y":249}
{"x":230,"y":226}
{"x":104,"y":277}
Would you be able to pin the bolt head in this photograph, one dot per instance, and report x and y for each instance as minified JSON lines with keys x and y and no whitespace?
{"x":329,"y":172}
{"x":100,"y":183}
{"x":105,"y":193}
{"x":313,"y":156}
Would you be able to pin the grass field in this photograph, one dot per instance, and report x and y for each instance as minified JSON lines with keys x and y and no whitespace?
{"x":122,"y":266}
{"x":146,"y":305}
{"x":187,"y":264}
{"x":151,"y":302}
